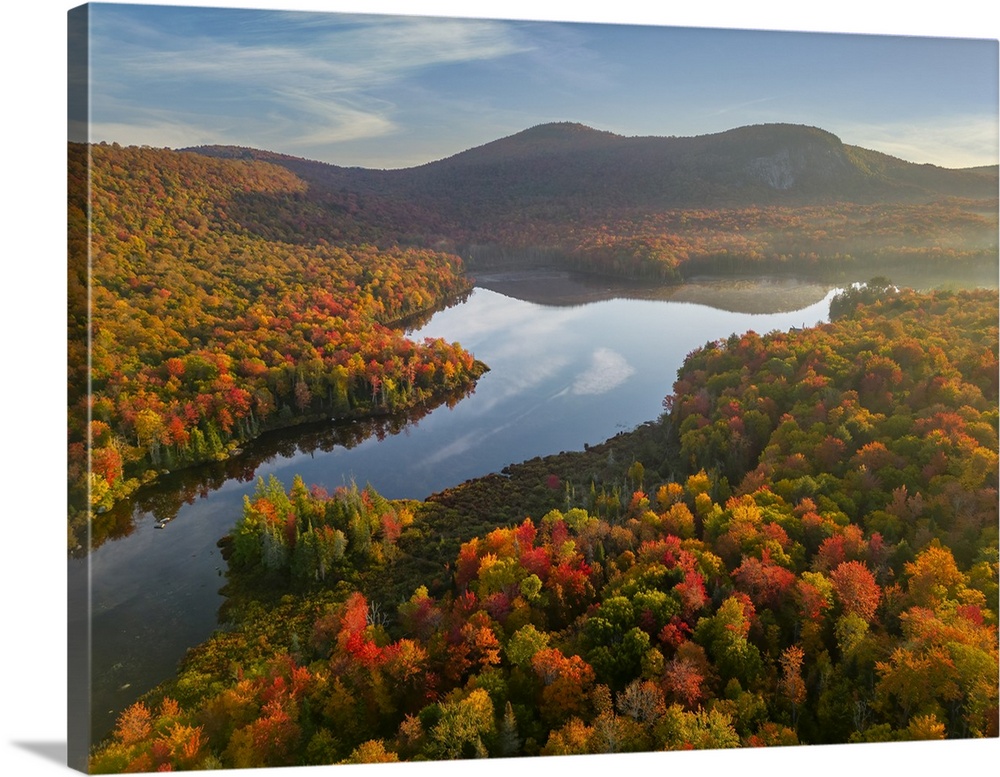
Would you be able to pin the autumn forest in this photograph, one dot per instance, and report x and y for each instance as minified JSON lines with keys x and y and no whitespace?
{"x":802,"y":548}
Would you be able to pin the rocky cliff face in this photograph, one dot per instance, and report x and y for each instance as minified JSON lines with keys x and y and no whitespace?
{"x":809,"y":164}
{"x":776,"y":171}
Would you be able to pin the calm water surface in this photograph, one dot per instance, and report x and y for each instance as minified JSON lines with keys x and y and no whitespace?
{"x":561,"y":376}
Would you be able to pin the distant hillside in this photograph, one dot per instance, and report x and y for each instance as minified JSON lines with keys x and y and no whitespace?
{"x":571,"y":163}
{"x":767,"y":164}
{"x":637,"y":205}
{"x":988,"y":170}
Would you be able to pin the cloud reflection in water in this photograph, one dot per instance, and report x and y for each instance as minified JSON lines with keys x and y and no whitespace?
{"x":608,"y":370}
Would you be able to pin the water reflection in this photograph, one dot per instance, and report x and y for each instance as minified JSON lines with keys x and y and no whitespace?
{"x":753,"y":294}
{"x":734,"y":294}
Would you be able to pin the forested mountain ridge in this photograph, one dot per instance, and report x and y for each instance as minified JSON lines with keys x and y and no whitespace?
{"x":988,"y":170}
{"x":776,"y":163}
{"x":753,"y":165}
{"x":766,"y":196}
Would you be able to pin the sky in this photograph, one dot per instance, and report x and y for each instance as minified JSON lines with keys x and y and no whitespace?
{"x":389,"y":91}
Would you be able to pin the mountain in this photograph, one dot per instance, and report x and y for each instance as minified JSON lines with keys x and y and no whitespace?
{"x":645,"y":206}
{"x":572,"y":163}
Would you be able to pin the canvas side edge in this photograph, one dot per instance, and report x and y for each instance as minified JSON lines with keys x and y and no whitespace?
{"x":79,"y":724}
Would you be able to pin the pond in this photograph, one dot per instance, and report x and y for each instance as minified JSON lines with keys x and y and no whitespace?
{"x":572,"y":362}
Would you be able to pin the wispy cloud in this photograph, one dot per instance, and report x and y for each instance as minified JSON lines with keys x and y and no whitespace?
{"x":607,"y":370}
{"x":742,"y":106}
{"x":145,"y":130}
{"x":323,"y":84}
{"x":956,"y":141}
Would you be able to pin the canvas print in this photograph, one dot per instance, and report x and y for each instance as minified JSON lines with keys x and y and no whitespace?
{"x":451,"y":388}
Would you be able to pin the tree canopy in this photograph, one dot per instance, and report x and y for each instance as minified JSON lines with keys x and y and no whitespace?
{"x":817,"y":564}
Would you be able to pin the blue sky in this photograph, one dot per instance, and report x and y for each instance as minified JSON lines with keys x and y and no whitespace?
{"x":395,"y":91}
